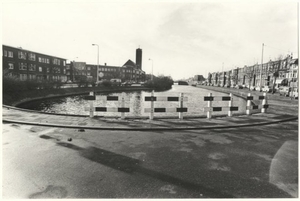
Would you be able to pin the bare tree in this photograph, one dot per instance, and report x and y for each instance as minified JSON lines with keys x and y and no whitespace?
{"x":274,"y":70}
{"x":250,"y":72}
{"x":235,"y":76}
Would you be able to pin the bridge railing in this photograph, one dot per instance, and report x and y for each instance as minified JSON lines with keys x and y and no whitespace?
{"x":180,"y":109}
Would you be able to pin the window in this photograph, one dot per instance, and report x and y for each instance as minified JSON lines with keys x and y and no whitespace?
{"x":31,"y":67}
{"x":89,"y":73}
{"x":40,"y":69}
{"x":48,"y":61}
{"x":5,"y":53}
{"x":10,"y":66}
{"x":48,"y":70}
{"x":31,"y":56}
{"x":23,"y":77}
{"x":56,"y":61}
{"x":88,"y":68}
{"x":56,"y":70}
{"x":10,"y":54}
{"x":22,"y":55}
{"x":31,"y":77}
{"x":64,"y":63}
{"x":22,"y":66}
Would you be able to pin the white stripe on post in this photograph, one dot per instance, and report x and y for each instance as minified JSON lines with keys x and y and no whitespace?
{"x":112,"y":109}
{"x":264,"y":102}
{"x":91,"y":105}
{"x":123,"y":105}
{"x":209,"y":105}
{"x":180,"y":105}
{"x":230,"y":105}
{"x":248,"y":110}
{"x":152,"y":106}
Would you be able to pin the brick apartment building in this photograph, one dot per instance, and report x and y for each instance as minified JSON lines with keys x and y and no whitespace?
{"x":30,"y":65}
{"x":130,"y":71}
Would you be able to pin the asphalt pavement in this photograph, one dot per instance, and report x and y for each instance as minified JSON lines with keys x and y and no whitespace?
{"x":55,"y":156}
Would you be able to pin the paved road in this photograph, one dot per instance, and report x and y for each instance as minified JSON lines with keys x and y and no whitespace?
{"x":252,"y":162}
{"x":237,"y":162}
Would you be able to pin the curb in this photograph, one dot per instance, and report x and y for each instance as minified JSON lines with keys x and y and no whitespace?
{"x":149,"y":129}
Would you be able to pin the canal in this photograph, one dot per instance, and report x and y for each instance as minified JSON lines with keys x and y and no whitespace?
{"x":135,"y":101}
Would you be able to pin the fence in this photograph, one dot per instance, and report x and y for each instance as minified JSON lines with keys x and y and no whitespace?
{"x":180,"y":109}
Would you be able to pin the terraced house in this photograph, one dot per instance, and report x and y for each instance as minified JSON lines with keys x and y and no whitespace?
{"x":30,"y":65}
{"x":282,"y":72}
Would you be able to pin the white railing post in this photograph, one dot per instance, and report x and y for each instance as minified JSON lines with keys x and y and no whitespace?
{"x":152,"y":105}
{"x":181,"y":105}
{"x":209,"y":105}
{"x":123,"y":105}
{"x":92,"y":105}
{"x":264,"y":102}
{"x":248,"y":110}
{"x":230,"y":105}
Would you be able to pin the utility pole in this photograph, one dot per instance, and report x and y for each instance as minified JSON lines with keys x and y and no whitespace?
{"x":261,"y":67}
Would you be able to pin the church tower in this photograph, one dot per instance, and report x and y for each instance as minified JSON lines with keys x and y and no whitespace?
{"x":138,"y":58}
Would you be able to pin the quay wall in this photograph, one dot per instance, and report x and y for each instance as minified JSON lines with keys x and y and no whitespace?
{"x":23,"y":97}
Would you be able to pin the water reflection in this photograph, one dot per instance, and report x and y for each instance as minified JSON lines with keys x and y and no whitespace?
{"x":136,"y":103}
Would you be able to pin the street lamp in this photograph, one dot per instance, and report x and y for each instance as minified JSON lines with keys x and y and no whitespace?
{"x":261,"y":67}
{"x":97,"y":62}
{"x":152,"y":69}
{"x":73,"y":69}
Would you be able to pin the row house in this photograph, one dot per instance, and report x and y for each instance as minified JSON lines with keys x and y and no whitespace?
{"x":282,"y":72}
{"x":29,"y":65}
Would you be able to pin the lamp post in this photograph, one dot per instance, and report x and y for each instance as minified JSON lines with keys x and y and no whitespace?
{"x":97,"y":80}
{"x":262,"y":57}
{"x":73,"y":69}
{"x":152,"y":69}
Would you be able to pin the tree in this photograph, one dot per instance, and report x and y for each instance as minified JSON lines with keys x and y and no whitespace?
{"x":250,"y":73}
{"x":274,"y":70}
{"x":235,"y":76}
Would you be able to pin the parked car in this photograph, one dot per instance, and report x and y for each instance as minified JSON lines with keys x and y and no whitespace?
{"x":294,"y":93}
{"x":252,"y":88}
{"x":284,"y":91}
{"x":257,"y":88}
{"x":126,"y":84}
{"x":266,"y":89}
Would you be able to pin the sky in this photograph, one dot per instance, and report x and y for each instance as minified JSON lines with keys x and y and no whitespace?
{"x":182,"y":38}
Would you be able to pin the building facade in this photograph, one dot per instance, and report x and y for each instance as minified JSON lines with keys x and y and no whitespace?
{"x":130,"y":71}
{"x":281,"y":72}
{"x":30,"y":65}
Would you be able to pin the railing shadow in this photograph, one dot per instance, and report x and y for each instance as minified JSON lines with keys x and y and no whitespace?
{"x":134,"y":166}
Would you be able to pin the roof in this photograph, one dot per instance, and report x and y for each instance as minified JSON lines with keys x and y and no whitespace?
{"x":20,"y":48}
{"x":129,"y":63}
{"x":294,"y":61}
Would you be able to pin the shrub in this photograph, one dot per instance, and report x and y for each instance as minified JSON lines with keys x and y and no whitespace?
{"x":160,"y":83}
{"x":106,"y":83}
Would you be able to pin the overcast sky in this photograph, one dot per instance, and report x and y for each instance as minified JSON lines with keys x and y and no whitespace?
{"x":183,"y":38}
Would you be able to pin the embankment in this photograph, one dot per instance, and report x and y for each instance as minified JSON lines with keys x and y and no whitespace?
{"x":15,"y":99}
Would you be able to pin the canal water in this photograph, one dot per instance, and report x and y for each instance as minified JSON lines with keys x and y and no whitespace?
{"x":136,"y":102}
